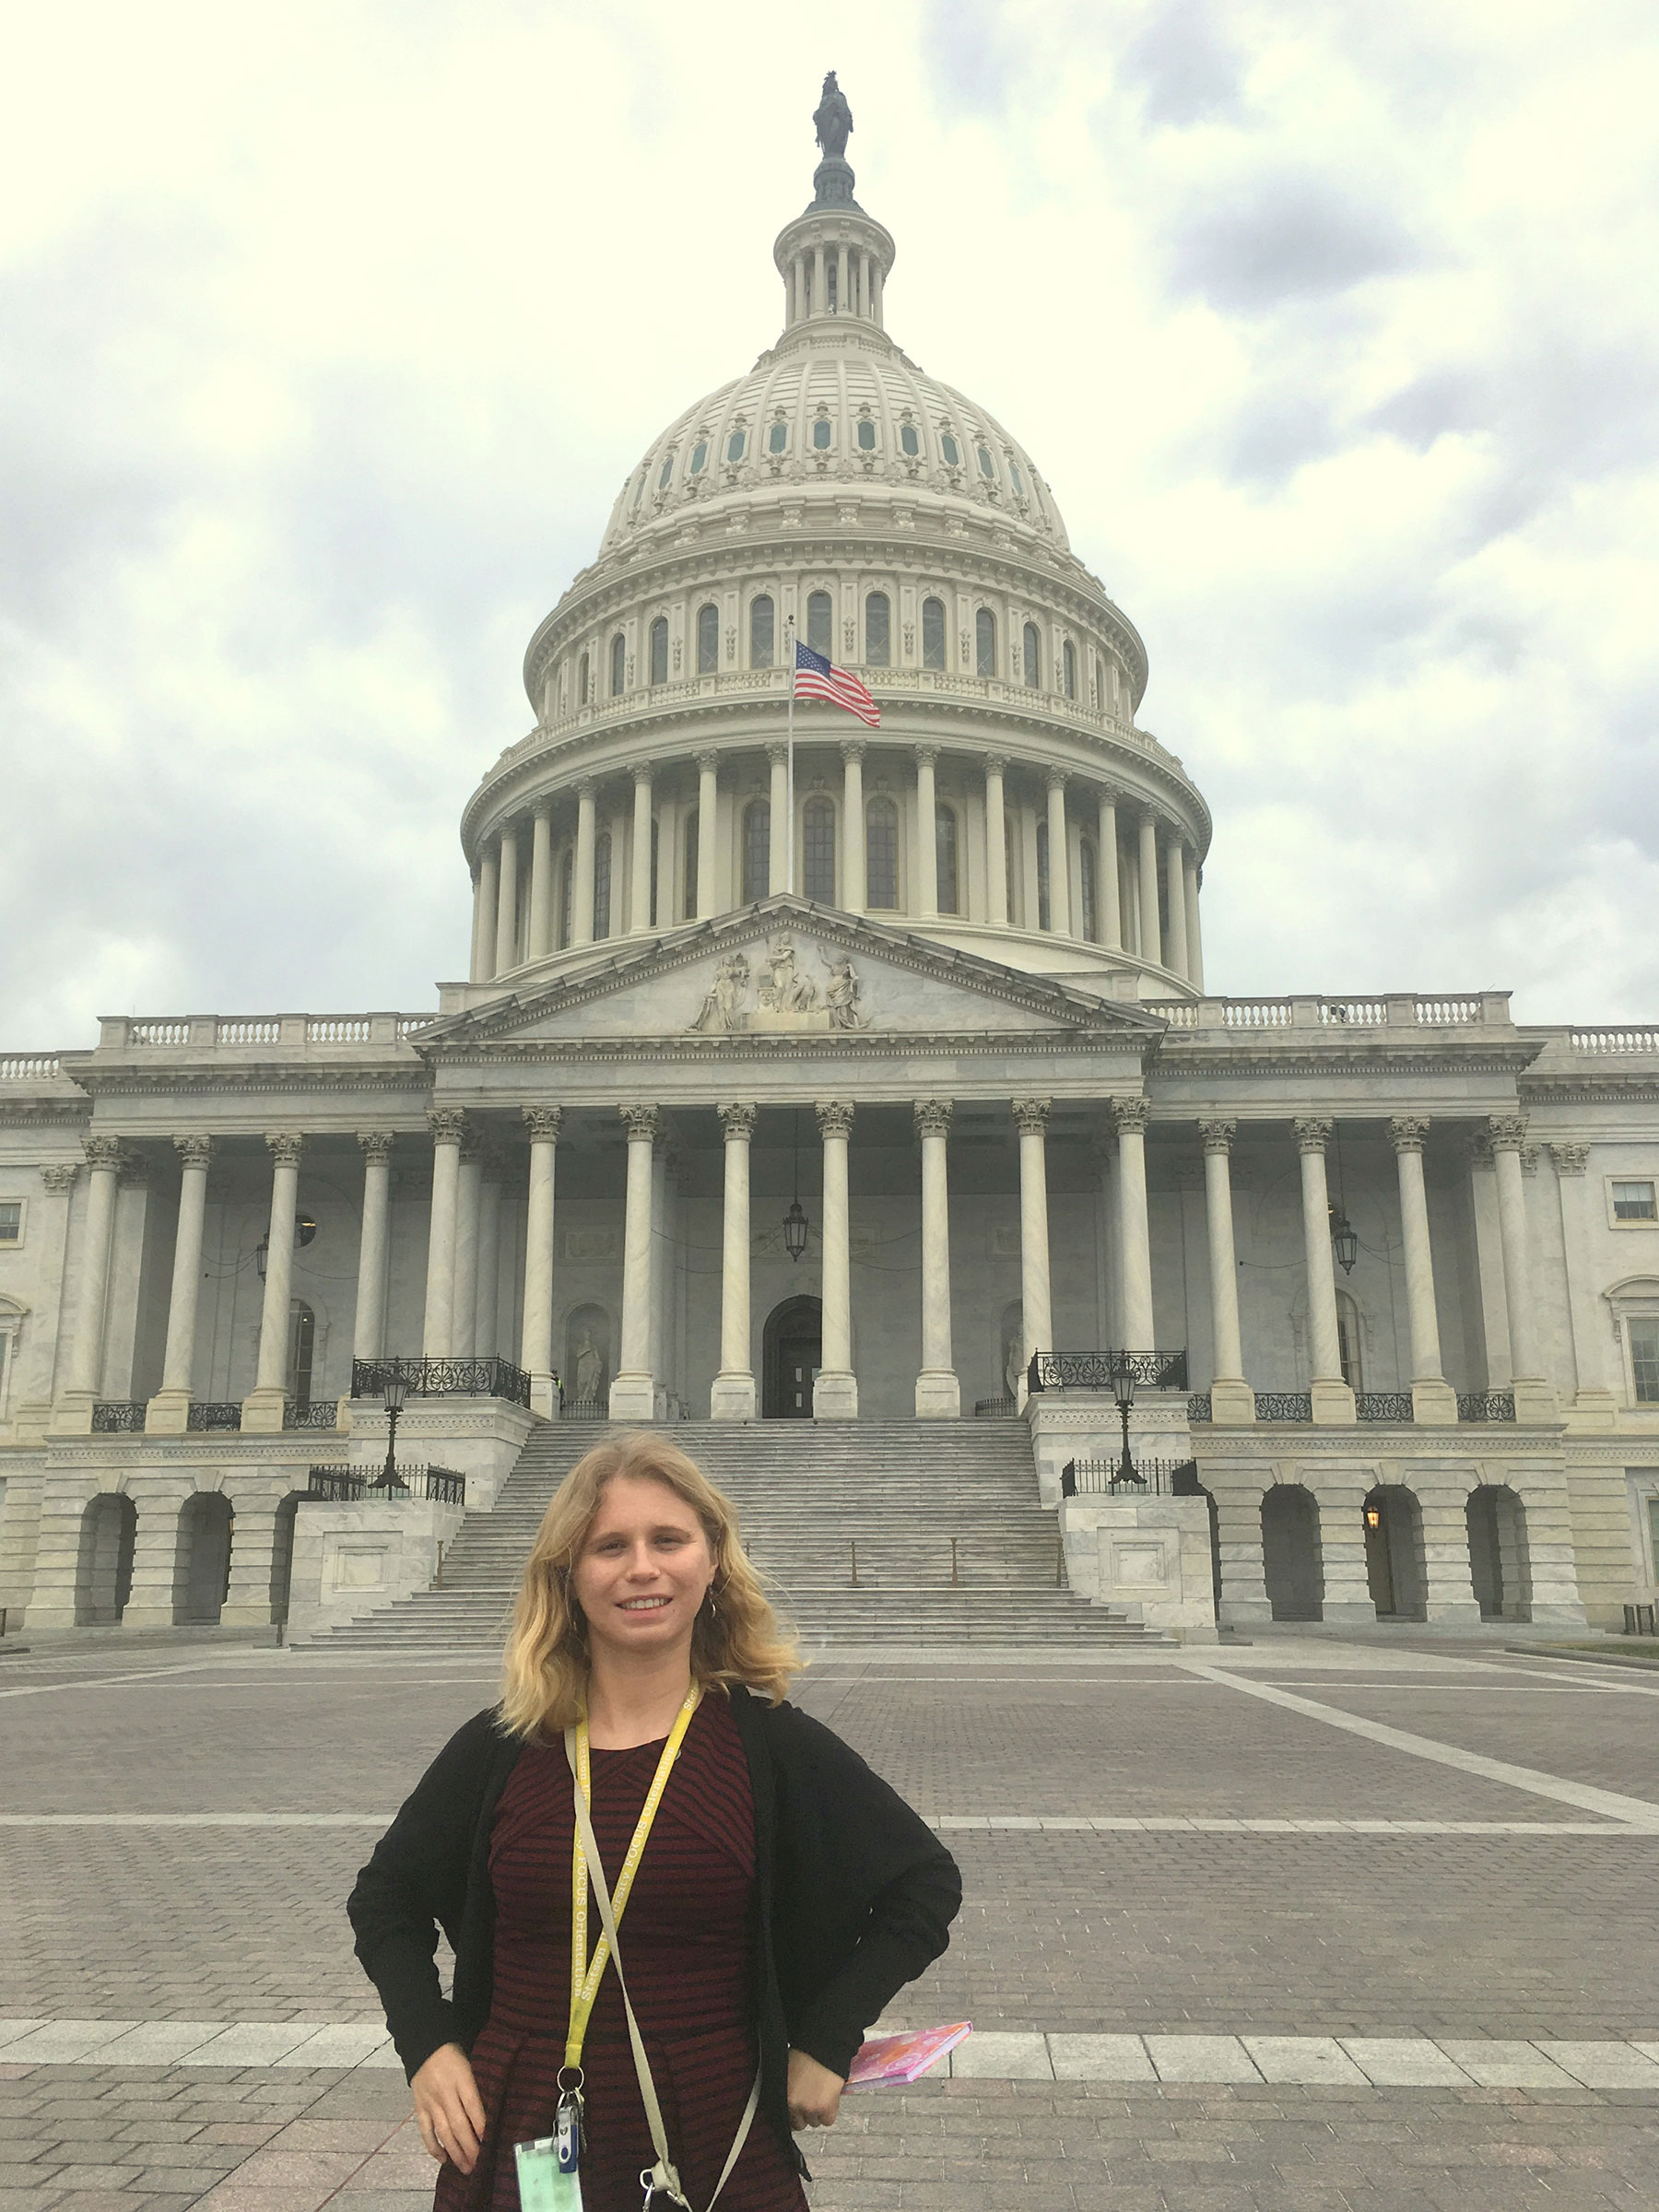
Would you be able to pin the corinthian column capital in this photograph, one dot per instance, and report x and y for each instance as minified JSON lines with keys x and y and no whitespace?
{"x":286,"y":1146}
{"x":1131,"y":1113}
{"x":104,"y":1152}
{"x":1219,"y":1135}
{"x":643,"y":1123}
{"x":737,"y":1119}
{"x":835,"y":1117}
{"x":447,"y":1123}
{"x":194,"y":1151}
{"x":1508,"y":1132}
{"x":543,"y":1121}
{"x":60,"y":1176}
{"x":1030,"y":1116}
{"x":1408,"y":1132}
{"x":933,"y":1117}
{"x":1313,"y":1132}
{"x":376,"y":1144}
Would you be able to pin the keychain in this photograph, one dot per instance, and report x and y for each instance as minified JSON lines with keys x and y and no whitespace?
{"x":568,"y":2129}
{"x":544,"y":2185}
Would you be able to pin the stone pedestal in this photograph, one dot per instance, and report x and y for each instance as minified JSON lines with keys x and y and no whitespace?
{"x":72,"y":1416}
{"x":732,"y":1396}
{"x":835,"y":1396}
{"x":1332,"y":1403}
{"x":1233,"y":1404}
{"x":167,"y":1414}
{"x":262,"y":1412}
{"x":1148,"y":1558}
{"x":544,"y":1396}
{"x":1434,"y":1404}
{"x":938,"y":1395}
{"x":1534,"y":1401}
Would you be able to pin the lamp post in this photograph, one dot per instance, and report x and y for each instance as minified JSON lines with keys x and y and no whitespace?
{"x":396,"y":1390}
{"x":1123,"y":1390}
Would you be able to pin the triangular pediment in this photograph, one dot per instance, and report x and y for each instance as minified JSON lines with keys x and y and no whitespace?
{"x":788,"y":968}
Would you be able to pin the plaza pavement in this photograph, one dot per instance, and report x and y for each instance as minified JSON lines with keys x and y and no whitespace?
{"x":1311,"y":1922}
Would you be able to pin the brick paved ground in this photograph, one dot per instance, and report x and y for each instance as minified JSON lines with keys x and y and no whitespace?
{"x":1547,"y":1933}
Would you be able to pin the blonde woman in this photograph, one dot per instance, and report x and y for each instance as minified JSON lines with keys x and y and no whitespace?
{"x":782,"y":1895}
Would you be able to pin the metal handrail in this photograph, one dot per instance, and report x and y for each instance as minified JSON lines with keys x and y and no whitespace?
{"x":1150,"y":1478}
{"x":352,"y":1486}
{"x":1096,"y":1371}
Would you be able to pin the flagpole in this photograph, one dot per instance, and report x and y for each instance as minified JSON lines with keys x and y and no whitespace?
{"x":789,"y":847}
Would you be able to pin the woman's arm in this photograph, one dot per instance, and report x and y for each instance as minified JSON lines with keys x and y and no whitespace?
{"x":907,"y":1927}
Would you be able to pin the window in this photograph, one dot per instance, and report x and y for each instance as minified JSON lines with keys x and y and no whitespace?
{"x":881,"y":853}
{"x":659,"y":649}
{"x":817,"y":850}
{"x":619,"y":663}
{"x":777,"y":437}
{"x":933,"y":633}
{"x":833,"y":275}
{"x":908,"y":442}
{"x":1068,"y":670}
{"x":1033,"y":656}
{"x":302,"y":1339}
{"x":866,"y":435}
{"x":689,"y":904}
{"x":945,"y":857}
{"x":566,"y":880}
{"x":1044,"y":904}
{"x":1634,"y":1202}
{"x":877,"y":630}
{"x":736,"y":444}
{"x":1645,"y":1358}
{"x":757,"y":850}
{"x":820,"y":623}
{"x":986,"y":469}
{"x":1086,"y":854}
{"x":700,"y":456}
{"x":602,"y":884}
{"x":665,"y":473}
{"x":1016,"y":479}
{"x":820,"y":434}
{"x":581,"y":681}
{"x":1348,"y":1341}
{"x":984,"y":638}
{"x":761,"y":632}
{"x":951,"y":451}
{"x":11,"y":1221}
{"x":708,"y":640}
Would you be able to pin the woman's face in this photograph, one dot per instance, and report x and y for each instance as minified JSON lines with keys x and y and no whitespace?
{"x":645,"y":1569}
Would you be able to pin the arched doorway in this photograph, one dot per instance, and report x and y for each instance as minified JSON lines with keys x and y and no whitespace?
{"x":793,"y":1351}
{"x":282,"y":1554}
{"x":1393,"y":1554}
{"x":103,"y":1572}
{"x":202,"y":1576}
{"x":1291,"y":1558}
{"x":1499,"y":1565}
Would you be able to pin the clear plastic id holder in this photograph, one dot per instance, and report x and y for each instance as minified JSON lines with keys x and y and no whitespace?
{"x":544,"y":2185}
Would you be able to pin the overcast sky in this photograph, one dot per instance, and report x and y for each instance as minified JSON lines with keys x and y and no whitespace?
{"x":328,"y":333}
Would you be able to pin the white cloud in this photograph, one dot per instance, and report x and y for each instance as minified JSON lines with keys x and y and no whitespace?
{"x":326,"y":340}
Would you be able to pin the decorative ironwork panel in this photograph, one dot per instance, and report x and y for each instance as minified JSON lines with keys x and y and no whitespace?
{"x":1486,"y":1406}
{"x":318,"y":1413}
{"x":442,"y":1378}
{"x":341,"y":1483}
{"x":1284,"y":1404}
{"x":1383,"y":1405}
{"x":1198,"y":1407}
{"x":1096,"y":1371}
{"x":119,"y":1418}
{"x":1150,"y":1478}
{"x":209,"y":1413}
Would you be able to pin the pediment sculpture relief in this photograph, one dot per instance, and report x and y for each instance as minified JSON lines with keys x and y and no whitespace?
{"x":785,"y":997}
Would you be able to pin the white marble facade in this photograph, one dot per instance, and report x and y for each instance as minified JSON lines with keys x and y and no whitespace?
{"x":945,"y":981}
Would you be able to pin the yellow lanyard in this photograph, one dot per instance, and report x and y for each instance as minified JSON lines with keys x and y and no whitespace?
{"x":585,"y":1978}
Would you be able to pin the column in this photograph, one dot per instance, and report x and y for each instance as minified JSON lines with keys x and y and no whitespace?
{"x":536,"y":1351}
{"x":1433,"y":1398}
{"x":161,"y":1561}
{"x":1059,"y":870}
{"x":1244,"y":1598}
{"x":1151,"y":944}
{"x":835,"y":1394}
{"x":484,"y":1342}
{"x":447,"y":1126}
{"x":34,"y":1406}
{"x":663,"y":1268}
{"x":1031,"y":1117}
{"x":996,"y":843}
{"x":253,"y":1560}
{"x":1443,"y":1497}
{"x":733,"y":1397}
{"x":633,"y":1390}
{"x":73,"y":1414}
{"x":369,"y":1324}
{"x":169,"y":1411}
{"x":541,"y":885}
{"x":1341,"y":1503}
{"x":820,"y":292}
{"x":507,"y":910}
{"x":1231,"y":1398}
{"x":841,"y":302}
{"x":1333,"y":1399}
{"x":939,"y":1394}
{"x":708,"y":813}
{"x":1594,"y":1404}
{"x":1194,"y":940}
{"x":1175,"y":897}
{"x":1534,"y":1398}
{"x":483,"y":928}
{"x":582,"y":889}
{"x":639,"y":907}
{"x":927,"y":836}
{"x":463,"y":1302}
{"x":262,"y":1408}
{"x":777,"y":852}
{"x":1107,"y":899}
{"x":853,"y":886}
{"x":1130,"y":1117}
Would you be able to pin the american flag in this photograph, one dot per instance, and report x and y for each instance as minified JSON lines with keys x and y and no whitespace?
{"x":816,"y":678}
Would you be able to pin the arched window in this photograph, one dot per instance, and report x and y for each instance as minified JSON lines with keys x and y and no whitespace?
{"x":986,"y":470}
{"x":1043,"y":906}
{"x":908,"y":441}
{"x":688,"y":903}
{"x":777,"y":437}
{"x":933,"y":633}
{"x":821,"y":434}
{"x":657,"y":846}
{"x":659,"y":649}
{"x":700,"y":456}
{"x":761,"y":632}
{"x":866,"y":435}
{"x":582,"y":682}
{"x":735,"y":446}
{"x":817,"y":850}
{"x":1086,"y":850}
{"x":820,"y":623}
{"x":877,"y":630}
{"x":567,"y":883}
{"x":708,"y":640}
{"x":1068,"y":670}
{"x":1348,"y":1341}
{"x":1033,"y":656}
{"x":602,"y":884}
{"x":984,"y":638}
{"x":619,"y":663}
{"x":757,"y":850}
{"x":947,"y":446}
{"x":945,"y":851}
{"x":881,"y":853}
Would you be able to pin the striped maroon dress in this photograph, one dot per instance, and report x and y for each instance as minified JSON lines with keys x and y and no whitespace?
{"x":687,"y":1945}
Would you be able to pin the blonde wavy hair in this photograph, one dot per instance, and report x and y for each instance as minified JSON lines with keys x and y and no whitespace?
{"x":545,"y":1667}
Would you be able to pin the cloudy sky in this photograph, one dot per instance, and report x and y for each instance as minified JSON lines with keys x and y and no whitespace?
{"x":327,"y":335}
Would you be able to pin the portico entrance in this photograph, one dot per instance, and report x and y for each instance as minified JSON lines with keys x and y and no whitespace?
{"x":793,"y":1351}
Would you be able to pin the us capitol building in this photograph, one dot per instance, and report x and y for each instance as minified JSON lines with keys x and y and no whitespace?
{"x":957,"y":1115}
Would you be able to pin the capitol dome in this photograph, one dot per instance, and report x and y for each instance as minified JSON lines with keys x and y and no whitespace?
{"x":839,"y":495}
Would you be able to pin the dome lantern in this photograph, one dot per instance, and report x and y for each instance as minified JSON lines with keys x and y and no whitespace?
{"x":834,"y":259}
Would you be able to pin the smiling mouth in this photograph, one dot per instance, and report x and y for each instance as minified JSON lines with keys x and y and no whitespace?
{"x":645,"y":1604}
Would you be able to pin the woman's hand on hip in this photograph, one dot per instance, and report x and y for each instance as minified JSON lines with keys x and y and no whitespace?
{"x":449,"y":2110}
{"x":814,"y":2092}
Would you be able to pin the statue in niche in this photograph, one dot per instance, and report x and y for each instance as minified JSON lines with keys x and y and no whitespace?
{"x":787,"y":991}
{"x":840,"y":995}
{"x":833,"y":119}
{"x":590,"y":1368}
{"x":722,"y":1008}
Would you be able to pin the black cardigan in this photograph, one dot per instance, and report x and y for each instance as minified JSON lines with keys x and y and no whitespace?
{"x":854,"y":1895}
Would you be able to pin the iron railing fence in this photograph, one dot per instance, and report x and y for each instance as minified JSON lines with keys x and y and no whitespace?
{"x":1095,"y":1371}
{"x":1383,"y":1405}
{"x":1150,"y":1478}
{"x":1198,"y":1407}
{"x":311,"y":1413}
{"x":488,"y":1378}
{"x":214,"y":1414}
{"x":1486,"y":1404}
{"x":119,"y":1417}
{"x":994,"y":1410}
{"x":1284,"y":1404}
{"x":351,"y":1486}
